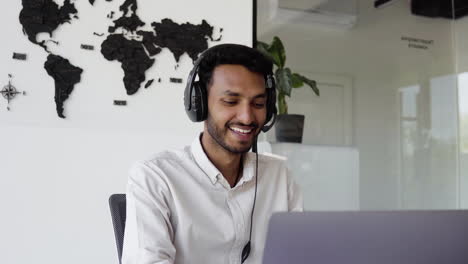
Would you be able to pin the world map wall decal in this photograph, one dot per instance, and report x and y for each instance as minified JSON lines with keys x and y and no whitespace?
{"x":136,"y":49}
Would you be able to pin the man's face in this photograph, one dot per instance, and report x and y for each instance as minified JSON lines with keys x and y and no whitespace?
{"x":236,"y":107}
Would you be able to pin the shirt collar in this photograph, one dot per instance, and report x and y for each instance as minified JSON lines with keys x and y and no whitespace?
{"x":203,"y":161}
{"x":210,"y":169}
{"x":249,"y":168}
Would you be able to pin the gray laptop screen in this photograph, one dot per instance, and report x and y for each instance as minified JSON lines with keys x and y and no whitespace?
{"x":393,"y":237}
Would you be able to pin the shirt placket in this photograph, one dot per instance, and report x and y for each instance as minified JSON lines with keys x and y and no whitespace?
{"x":239,"y":227}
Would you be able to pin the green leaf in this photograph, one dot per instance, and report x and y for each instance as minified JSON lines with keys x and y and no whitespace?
{"x":263,"y":48}
{"x":311,"y":83}
{"x":296,"y":80}
{"x":282,"y":105}
{"x":283,"y":81}
{"x":276,"y":49}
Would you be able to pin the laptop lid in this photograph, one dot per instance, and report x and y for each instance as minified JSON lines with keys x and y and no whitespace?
{"x":392,"y":237}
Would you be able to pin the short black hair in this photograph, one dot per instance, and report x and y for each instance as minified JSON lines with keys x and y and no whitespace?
{"x":236,"y":54}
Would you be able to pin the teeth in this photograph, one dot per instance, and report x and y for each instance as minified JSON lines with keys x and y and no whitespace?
{"x":241,"y":130}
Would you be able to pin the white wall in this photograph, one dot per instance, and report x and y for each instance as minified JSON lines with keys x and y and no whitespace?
{"x":55,"y":186}
{"x":373,"y":54}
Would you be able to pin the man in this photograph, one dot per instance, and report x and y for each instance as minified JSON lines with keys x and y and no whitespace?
{"x":205,"y":203}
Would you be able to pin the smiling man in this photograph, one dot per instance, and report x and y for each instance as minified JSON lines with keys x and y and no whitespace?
{"x":236,"y":112}
{"x":211,"y":201}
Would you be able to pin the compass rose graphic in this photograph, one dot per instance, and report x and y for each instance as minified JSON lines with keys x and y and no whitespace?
{"x":9,"y":92}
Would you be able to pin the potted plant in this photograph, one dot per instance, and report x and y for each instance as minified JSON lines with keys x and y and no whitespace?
{"x":288,"y":127}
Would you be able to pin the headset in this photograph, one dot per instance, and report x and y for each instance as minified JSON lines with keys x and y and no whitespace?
{"x":196,"y":95}
{"x":196,"y":107}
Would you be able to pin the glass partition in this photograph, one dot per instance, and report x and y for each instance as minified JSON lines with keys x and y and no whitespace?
{"x":394,"y":87}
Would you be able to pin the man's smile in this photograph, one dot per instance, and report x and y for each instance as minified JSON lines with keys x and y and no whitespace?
{"x":240,"y":130}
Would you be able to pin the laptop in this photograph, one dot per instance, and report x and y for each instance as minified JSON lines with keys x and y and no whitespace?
{"x":388,"y":237}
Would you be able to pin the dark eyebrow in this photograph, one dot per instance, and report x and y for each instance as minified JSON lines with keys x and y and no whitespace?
{"x":231,"y":93}
{"x":263,"y":95}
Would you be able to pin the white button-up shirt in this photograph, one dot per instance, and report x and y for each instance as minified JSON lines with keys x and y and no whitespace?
{"x":180,"y":208}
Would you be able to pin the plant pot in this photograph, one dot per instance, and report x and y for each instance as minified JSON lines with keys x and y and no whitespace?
{"x":289,"y":128}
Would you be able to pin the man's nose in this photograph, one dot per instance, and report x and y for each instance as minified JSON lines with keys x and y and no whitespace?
{"x":245,"y":114}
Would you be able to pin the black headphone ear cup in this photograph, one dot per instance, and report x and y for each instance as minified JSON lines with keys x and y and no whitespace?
{"x":270,"y":104}
{"x":271,"y":97}
{"x":199,"y":102}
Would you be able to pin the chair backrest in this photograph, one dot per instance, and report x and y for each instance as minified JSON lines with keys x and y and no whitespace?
{"x":117,"y":204}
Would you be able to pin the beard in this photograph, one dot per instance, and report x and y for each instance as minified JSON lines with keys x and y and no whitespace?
{"x":219,"y":135}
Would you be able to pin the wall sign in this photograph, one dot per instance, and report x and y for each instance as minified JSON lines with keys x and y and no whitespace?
{"x":417,"y":43}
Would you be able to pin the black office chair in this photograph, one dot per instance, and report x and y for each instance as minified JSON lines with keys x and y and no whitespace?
{"x":117,"y":204}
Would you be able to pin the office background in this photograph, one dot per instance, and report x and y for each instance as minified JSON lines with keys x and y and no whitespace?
{"x":408,"y":106}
